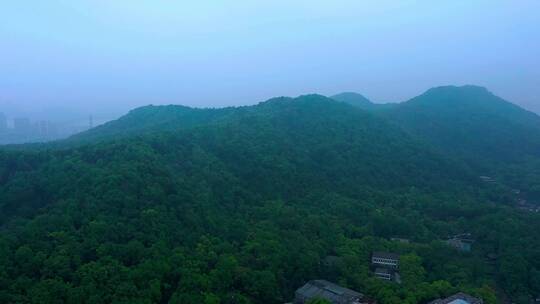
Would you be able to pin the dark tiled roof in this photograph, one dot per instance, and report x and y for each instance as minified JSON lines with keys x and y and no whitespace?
{"x":329,"y":291}
{"x":385,"y":255}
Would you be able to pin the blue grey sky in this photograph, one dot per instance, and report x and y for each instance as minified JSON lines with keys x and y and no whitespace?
{"x":105,"y":56}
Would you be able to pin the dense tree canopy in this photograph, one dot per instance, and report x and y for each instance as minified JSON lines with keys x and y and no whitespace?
{"x":244,"y":207}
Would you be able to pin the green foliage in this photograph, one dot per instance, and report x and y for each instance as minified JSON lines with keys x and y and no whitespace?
{"x":244,"y":208}
{"x":411,"y":270}
{"x":493,"y":136}
{"x":318,"y":301}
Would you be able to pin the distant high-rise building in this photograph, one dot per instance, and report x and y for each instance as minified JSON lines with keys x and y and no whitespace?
{"x":43,"y":129}
{"x":46,"y":130}
{"x":22,"y":126}
{"x":3,"y":123}
{"x":90,"y":122}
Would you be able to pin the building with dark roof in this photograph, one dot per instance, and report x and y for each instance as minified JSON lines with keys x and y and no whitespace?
{"x":335,"y":294}
{"x":385,"y":266}
{"x":461,"y":242}
{"x":384,"y":273}
{"x":487,"y":179}
{"x":459,"y":298}
{"x":385,"y":260}
{"x":400,"y":240}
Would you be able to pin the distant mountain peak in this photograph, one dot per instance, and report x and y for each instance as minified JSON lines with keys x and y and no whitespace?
{"x":465,"y":89}
{"x":301,"y":98}
{"x":470,"y":120}
{"x":354,"y":99}
{"x":351,"y":94}
{"x":463,"y":96}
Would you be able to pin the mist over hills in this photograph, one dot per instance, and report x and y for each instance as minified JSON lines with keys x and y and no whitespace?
{"x":172,"y":204}
{"x":468,"y":123}
{"x":354,"y":99}
{"x":492,"y":135}
{"x":471,"y":121}
{"x":25,"y":124}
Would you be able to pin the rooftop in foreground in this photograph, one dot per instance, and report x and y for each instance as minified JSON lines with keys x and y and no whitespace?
{"x":328,"y":291}
{"x":459,"y":298}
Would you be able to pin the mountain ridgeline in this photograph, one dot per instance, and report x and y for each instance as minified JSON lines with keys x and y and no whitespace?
{"x":493,"y":136}
{"x":356,"y":100}
{"x":171,"y":204}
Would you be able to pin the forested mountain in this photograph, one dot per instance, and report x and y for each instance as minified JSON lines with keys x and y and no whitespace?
{"x":354,"y":99}
{"x":494,"y":136}
{"x":472,"y":122}
{"x":243,"y":205}
{"x":153,"y":118}
{"x":359,"y":101}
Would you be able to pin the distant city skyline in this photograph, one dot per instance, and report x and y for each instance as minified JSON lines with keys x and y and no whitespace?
{"x":21,"y":129}
{"x":69,"y":116}
{"x":80,"y":117}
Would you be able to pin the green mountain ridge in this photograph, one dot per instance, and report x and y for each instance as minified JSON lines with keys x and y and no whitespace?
{"x":471,"y":120}
{"x":353,"y":136}
{"x":354,"y":99}
{"x":150,"y":118}
{"x":470,"y":123}
{"x":361,"y":102}
{"x":171,"y":204}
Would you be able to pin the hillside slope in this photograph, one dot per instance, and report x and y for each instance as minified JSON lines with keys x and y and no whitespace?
{"x":245,"y":207}
{"x":328,"y":143}
{"x":354,"y":99}
{"x":471,"y":121}
{"x":153,"y":119}
{"x":359,"y":101}
{"x":494,"y":136}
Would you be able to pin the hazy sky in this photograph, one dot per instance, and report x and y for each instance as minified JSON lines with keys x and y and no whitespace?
{"x":104,"y":56}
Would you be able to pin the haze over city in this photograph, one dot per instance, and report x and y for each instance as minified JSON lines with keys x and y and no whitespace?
{"x":270,"y":152}
{"x":65,"y":60}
